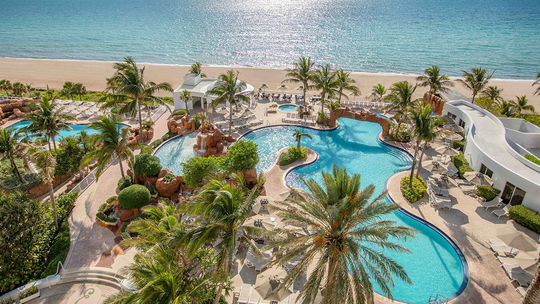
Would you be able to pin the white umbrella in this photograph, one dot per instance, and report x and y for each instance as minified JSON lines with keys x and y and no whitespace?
{"x":516,"y":239}
{"x":478,"y":178}
{"x":269,"y":283}
{"x":446,"y":150}
{"x":432,"y":166}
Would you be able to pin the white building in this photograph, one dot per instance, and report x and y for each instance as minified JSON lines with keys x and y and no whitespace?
{"x":199,"y":88}
{"x":496,"y":146}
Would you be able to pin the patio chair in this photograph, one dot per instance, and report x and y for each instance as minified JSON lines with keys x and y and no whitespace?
{"x":502,"y":212}
{"x":468,"y":189}
{"x":439,"y":202}
{"x":494,"y":203}
{"x":438,"y":190}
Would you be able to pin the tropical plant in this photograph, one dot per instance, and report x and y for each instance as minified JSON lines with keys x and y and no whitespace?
{"x":10,"y":147}
{"x":146,"y":165}
{"x":165,"y":275}
{"x":325,"y":81}
{"x":68,"y":157}
{"x":196,"y":69}
{"x":46,"y":164}
{"x":132,"y":91}
{"x":476,"y":80}
{"x":47,"y":119}
{"x":378,"y":91}
{"x":196,"y":169}
{"x":536,"y":82}
{"x":113,"y":142}
{"x":241,"y":156}
{"x":18,"y":89}
{"x":79,"y":89}
{"x":345,"y":83}
{"x":186,"y":96}
{"x":67,"y":90}
{"x":347,"y":238}
{"x":420,"y":120}
{"x":298,"y":136}
{"x":493,"y":93}
{"x":433,"y":79}
{"x":229,"y":90}
{"x":428,"y":133}
{"x":5,"y":86}
{"x":223,"y":210}
{"x":507,"y":108}
{"x":521,"y":104}
{"x":401,"y":101}
{"x":301,"y":72}
{"x":134,"y":197}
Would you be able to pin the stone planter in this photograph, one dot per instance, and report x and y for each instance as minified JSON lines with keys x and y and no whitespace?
{"x":31,"y":297}
{"x":107,"y":224}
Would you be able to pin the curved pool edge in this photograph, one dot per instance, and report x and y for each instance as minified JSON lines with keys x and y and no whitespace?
{"x":287,"y":125}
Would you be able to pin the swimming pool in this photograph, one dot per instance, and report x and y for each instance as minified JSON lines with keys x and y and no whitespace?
{"x":288,"y":108}
{"x":75,"y":129}
{"x":434,"y":266}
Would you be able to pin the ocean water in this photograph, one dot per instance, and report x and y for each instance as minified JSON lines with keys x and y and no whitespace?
{"x":402,"y":36}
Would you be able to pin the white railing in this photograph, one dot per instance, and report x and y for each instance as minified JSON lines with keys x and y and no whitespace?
{"x":158,"y":112}
{"x":90,"y":178}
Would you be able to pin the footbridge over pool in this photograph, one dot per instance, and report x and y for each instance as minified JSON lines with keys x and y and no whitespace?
{"x":360,"y":115}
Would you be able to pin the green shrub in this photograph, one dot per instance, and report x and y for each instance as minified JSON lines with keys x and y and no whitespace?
{"x":168,"y":178}
{"x":242,"y":156}
{"x":533,"y":159}
{"x":124,"y":182}
{"x":525,"y":217}
{"x":68,"y":157}
{"x":65,"y":203}
{"x":7,"y":301}
{"x":417,"y":191}
{"x":199,"y":118}
{"x":322,"y":118}
{"x":12,"y":184}
{"x":101,"y":213}
{"x":58,"y":251}
{"x":146,"y":164}
{"x":112,"y":199}
{"x":292,"y":155}
{"x":197,"y":168}
{"x":461,"y":133}
{"x":28,"y":292}
{"x":163,"y":138}
{"x":461,"y":164}
{"x":459,"y":145}
{"x":179,"y":112}
{"x":532,"y":118}
{"x":133,"y":197}
{"x":487,"y":192}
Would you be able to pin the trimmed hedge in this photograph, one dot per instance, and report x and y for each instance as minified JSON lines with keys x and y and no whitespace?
{"x":525,"y":217}
{"x":146,"y":164}
{"x":533,"y":159}
{"x":487,"y":192}
{"x":418,"y":190}
{"x":124,"y":182}
{"x":292,"y":155}
{"x":459,"y":145}
{"x":461,"y":164}
{"x":179,"y":112}
{"x":133,"y":197}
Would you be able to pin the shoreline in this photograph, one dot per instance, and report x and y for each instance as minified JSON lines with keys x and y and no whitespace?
{"x":92,"y":73}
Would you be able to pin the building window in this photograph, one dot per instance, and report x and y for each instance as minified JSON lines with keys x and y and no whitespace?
{"x":461,"y":123}
{"x":512,"y":194}
{"x":486,"y":170}
{"x":452,"y":116}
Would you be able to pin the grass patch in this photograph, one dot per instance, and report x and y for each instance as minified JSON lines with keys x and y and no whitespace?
{"x":525,"y":217}
{"x":291,"y":155}
{"x":418,"y":190}
{"x":461,"y":164}
{"x":533,"y":159}
{"x":487,"y":192}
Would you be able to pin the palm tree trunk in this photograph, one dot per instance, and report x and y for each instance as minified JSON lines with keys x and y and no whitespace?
{"x":533,"y":292}
{"x":48,"y":142}
{"x":420,"y":160}
{"x":322,"y":101}
{"x":53,"y":203}
{"x":473,"y":97}
{"x":149,"y":113}
{"x":330,"y":280}
{"x":298,"y":143}
{"x":121,"y":166}
{"x":54,"y":143}
{"x":15,"y":169}
{"x":140,"y":122}
{"x":339,"y":99}
{"x":230,"y":118}
{"x":414,"y":162}
{"x":305,"y":91}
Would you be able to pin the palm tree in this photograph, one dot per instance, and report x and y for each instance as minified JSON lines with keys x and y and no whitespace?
{"x":379,"y":91}
{"x":79,"y":89}
{"x":10,"y":147}
{"x":493,"y":93}
{"x":507,"y":108}
{"x":433,"y":79}
{"x":223,"y":209}
{"x":476,"y":80}
{"x":186,"y":96}
{"x":67,"y":89}
{"x":28,"y":89}
{"x":18,"y":89}
{"x":165,"y":275}
{"x":112,"y":85}
{"x":298,"y":136}
{"x":301,"y":72}
{"x":536,"y":82}
{"x":6,"y":86}
{"x":46,"y":163}
{"x":347,"y":238}
{"x":533,"y":292}
{"x":112,"y":142}
{"x":229,"y":90}
{"x":345,"y":82}
{"x":325,"y":81}
{"x":196,"y":69}
{"x":429,"y":134}
{"x":420,"y":120}
{"x":47,"y":119}
{"x":521,"y":104}
{"x":401,"y":101}
{"x":132,"y":90}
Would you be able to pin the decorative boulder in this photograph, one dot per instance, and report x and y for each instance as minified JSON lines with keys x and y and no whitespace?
{"x":167,"y":187}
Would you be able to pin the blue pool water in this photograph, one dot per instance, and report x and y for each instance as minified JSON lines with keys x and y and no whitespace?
{"x":375,"y":36}
{"x":75,"y":129}
{"x":434,"y":265}
{"x":288,"y":108}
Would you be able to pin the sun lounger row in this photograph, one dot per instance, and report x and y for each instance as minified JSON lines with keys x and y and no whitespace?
{"x":438,"y":202}
{"x":371,"y":104}
{"x":308,"y":120}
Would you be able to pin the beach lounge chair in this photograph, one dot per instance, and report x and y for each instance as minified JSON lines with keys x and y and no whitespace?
{"x":439,"y":202}
{"x":517,"y":274}
{"x":494,"y":203}
{"x":468,"y":189}
{"x":438,"y":190}
{"x":502,"y":212}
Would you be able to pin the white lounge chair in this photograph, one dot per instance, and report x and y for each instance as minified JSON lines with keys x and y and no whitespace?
{"x":502,"y":212}
{"x":494,"y":203}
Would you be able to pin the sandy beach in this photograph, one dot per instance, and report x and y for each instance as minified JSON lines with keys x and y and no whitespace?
{"x":53,"y":73}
